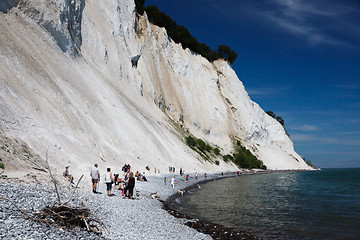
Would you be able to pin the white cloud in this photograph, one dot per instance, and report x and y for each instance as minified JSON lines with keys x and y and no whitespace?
{"x":302,"y":137}
{"x":351,"y":133}
{"x":317,"y":21}
{"x":268,"y":90}
{"x":305,"y":127}
{"x":324,"y":140}
{"x":354,"y":120}
{"x":262,"y":91}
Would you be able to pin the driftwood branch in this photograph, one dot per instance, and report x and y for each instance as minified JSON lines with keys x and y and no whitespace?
{"x":94,"y":211}
{"x":52,"y":177}
{"x":74,"y":190}
{"x":100,"y":223}
{"x":24,"y":213}
{"x":39,"y":169}
{"x":86,"y":224}
{"x":61,"y":215}
{"x":16,"y":207}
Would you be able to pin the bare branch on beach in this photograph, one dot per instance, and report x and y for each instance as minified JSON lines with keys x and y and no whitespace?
{"x":52,"y":177}
{"x":62,"y":215}
{"x":74,"y":190}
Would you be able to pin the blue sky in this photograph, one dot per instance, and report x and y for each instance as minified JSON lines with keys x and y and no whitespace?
{"x":297,"y":58}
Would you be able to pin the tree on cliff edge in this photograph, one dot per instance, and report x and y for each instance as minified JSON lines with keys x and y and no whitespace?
{"x":226,"y":53}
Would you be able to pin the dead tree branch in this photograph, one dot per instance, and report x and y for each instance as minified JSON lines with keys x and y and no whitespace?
{"x":74,"y":190}
{"x":52,"y":177}
{"x":67,"y":217}
{"x":24,"y":213}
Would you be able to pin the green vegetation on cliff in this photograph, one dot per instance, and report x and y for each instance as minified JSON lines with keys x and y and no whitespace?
{"x":245,"y":159}
{"x":242,"y":157}
{"x":309,"y":163}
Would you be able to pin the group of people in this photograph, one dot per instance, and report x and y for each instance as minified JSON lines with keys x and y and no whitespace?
{"x":126,"y":184}
{"x":187,"y":177}
{"x":126,"y":167}
{"x":156,"y":170}
{"x":140,"y":177}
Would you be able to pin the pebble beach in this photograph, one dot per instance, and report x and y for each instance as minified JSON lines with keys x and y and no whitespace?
{"x":144,"y":217}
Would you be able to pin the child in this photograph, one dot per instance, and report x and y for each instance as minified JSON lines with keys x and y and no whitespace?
{"x":173,"y":184}
{"x":122,"y":187}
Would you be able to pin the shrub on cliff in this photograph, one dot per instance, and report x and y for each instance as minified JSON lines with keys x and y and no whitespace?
{"x":243,"y":158}
{"x":227,"y":157}
{"x":226,"y":53}
{"x":140,"y":6}
{"x":278,"y":118}
{"x":190,"y":141}
{"x":198,"y":143}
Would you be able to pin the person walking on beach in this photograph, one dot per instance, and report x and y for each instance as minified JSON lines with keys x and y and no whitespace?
{"x":173,"y":184}
{"x":108,"y":180}
{"x":130,"y":185}
{"x":196,"y":175}
{"x":95,"y":177}
{"x":165,"y":180}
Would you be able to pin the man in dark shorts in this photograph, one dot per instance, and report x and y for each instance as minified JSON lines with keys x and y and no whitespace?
{"x":95,"y":176}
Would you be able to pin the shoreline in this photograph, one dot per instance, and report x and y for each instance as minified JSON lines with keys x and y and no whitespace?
{"x":144,"y":217}
{"x":214,"y":230}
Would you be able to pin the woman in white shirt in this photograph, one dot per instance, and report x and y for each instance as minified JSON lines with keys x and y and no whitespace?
{"x":108,"y":180}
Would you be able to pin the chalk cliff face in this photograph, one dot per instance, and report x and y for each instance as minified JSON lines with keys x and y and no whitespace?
{"x":90,"y":81}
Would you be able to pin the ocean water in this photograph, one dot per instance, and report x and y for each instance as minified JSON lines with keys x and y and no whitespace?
{"x":287,"y":205}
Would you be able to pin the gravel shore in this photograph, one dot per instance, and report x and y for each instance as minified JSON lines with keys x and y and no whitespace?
{"x":144,"y":217}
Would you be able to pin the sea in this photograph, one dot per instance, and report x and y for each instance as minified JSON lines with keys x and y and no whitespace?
{"x":283,"y":205}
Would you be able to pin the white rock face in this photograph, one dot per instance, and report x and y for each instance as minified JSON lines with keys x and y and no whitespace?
{"x":121,"y":97}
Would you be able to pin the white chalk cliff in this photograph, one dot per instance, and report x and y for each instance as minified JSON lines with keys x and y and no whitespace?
{"x":90,"y":81}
